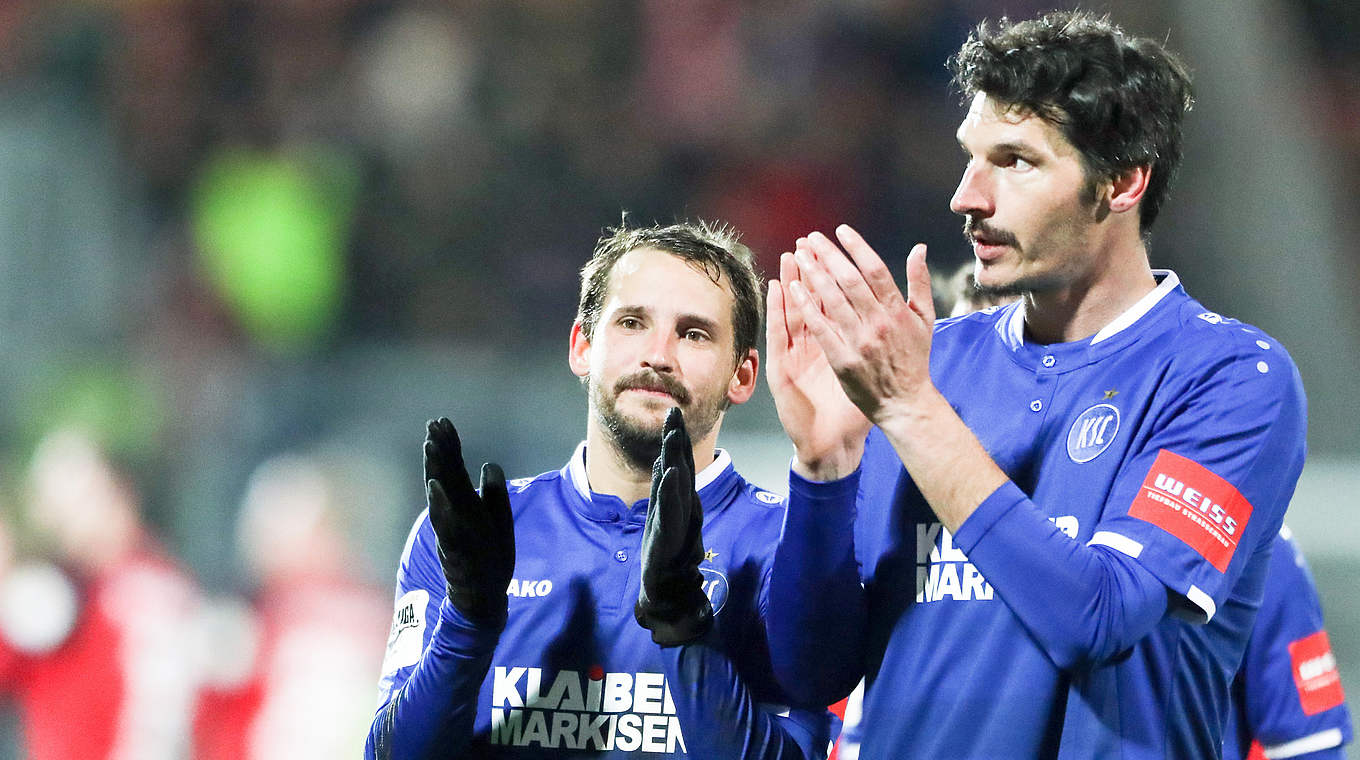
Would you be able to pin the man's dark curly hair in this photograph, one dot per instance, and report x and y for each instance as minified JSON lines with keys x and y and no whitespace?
{"x":1119,"y":100}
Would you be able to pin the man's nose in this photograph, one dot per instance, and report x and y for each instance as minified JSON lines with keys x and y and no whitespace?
{"x":661,"y":350}
{"x":973,"y":196}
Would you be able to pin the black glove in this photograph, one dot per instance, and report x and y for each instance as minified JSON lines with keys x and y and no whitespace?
{"x":671,"y":603}
{"x":476,"y":533}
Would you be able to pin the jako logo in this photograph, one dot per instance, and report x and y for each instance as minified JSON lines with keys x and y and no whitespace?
{"x":1092,"y":432}
{"x":527,"y":589}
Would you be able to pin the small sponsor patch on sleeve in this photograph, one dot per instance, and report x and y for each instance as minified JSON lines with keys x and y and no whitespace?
{"x":1195,"y":505}
{"x":1315,"y":673}
{"x":406,"y":639}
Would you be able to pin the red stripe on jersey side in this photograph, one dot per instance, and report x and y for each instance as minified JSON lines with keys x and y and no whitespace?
{"x":1193,"y":504}
{"x":1315,"y":673}
{"x":838,"y":710}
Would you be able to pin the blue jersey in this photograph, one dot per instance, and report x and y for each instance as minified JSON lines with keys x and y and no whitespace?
{"x":573,"y":674}
{"x":1287,"y":695}
{"x":1163,"y":449}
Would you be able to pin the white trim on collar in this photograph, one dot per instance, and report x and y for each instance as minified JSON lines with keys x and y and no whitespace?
{"x":576,"y":470}
{"x":721,"y":461}
{"x":1015,"y":328}
{"x":1144,"y":305}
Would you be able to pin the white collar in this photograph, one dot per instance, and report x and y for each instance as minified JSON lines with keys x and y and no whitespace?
{"x":1015,"y":328}
{"x":576,"y":470}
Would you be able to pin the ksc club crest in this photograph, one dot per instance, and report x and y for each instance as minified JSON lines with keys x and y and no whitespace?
{"x":715,"y":588}
{"x":1092,"y":432}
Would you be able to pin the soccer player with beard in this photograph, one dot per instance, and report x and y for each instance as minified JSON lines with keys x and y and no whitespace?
{"x":1039,"y":531}
{"x":610,"y":608}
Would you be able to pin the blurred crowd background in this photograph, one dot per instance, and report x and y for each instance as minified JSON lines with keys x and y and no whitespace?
{"x":247,"y":248}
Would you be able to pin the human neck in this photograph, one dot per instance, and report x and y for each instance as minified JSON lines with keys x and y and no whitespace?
{"x":613,"y":474}
{"x":1082,"y":307}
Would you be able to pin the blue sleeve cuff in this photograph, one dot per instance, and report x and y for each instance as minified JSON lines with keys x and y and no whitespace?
{"x":815,"y":617}
{"x":458,"y":635}
{"x":992,"y":509}
{"x":825,"y":490}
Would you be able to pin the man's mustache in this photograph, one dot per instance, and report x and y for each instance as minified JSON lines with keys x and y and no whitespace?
{"x":652,"y":381}
{"x":974,"y":227}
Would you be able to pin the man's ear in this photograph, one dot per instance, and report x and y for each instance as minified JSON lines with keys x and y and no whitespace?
{"x":743,"y":382}
{"x":1128,"y":188}
{"x":578,"y":355}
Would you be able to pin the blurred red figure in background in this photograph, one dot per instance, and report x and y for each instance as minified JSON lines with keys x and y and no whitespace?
{"x":97,"y":647}
{"x":293,"y":676}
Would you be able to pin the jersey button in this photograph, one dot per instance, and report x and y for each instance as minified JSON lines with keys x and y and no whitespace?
{"x":1049,"y":360}
{"x":1036,"y":405}
{"x":621,"y":555}
{"x":612,"y":517}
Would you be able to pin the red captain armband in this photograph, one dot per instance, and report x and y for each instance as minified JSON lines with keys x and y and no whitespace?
{"x":1195,"y":505}
{"x":1315,"y":673}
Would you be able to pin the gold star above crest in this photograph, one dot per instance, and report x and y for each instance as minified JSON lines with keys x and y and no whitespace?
{"x":1111,"y":394}
{"x":709,"y":554}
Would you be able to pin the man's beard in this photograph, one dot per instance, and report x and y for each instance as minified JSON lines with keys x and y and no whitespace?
{"x":1020,"y":286}
{"x":637,"y":443}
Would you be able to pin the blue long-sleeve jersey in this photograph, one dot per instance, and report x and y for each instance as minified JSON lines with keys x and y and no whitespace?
{"x":1287,"y":696}
{"x":572,"y":674}
{"x":1098,"y":604}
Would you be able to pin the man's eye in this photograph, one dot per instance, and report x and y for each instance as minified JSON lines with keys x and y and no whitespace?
{"x":696,"y":335}
{"x":630,"y":323}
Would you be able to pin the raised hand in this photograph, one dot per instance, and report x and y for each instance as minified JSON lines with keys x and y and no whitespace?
{"x":671,"y":603}
{"x":475,"y":531}
{"x":876,"y":341}
{"x":826,"y":429}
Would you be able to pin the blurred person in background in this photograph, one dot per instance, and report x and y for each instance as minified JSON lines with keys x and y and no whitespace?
{"x":562,"y":664}
{"x":958,"y":294}
{"x":97,"y":642}
{"x":291,"y":675}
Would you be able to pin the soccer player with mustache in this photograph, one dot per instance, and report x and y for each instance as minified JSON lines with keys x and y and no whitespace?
{"x":615,"y":607}
{"x":1039,"y":531}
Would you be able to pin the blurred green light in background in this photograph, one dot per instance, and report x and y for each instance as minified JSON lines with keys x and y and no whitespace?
{"x":271,"y":233}
{"x":116,"y":401}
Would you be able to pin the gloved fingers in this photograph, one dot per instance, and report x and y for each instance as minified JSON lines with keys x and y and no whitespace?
{"x":675,"y":514}
{"x":676,"y":450}
{"x":444,"y":458}
{"x":663,"y":458}
{"x":430,"y":449}
{"x":440,"y":508}
{"x":652,"y":526}
{"x":680,"y":475}
{"x":501,"y":521}
{"x":462,"y":527}
{"x":494,"y":492}
{"x":675,"y":442}
{"x":675,"y":420}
